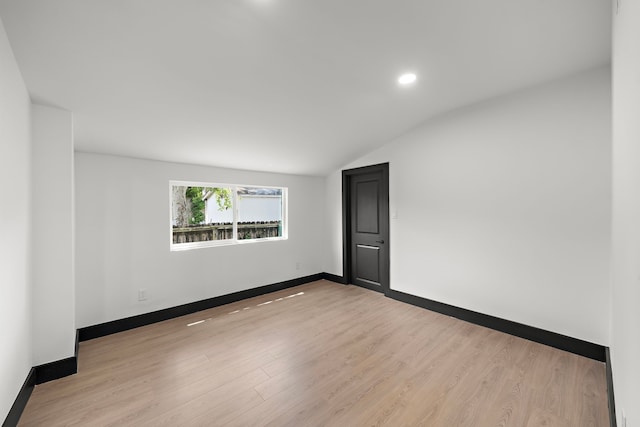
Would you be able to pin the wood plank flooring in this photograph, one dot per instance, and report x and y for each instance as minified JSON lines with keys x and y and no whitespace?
{"x":321,"y":354}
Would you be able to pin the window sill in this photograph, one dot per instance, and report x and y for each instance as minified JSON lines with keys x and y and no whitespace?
{"x":220,"y":243}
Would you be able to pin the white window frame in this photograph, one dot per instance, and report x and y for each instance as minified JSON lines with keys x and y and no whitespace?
{"x":234,"y":240}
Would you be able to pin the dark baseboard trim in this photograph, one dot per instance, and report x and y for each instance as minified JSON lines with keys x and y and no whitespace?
{"x":552,"y":339}
{"x":38,"y":375}
{"x":59,"y":368}
{"x":21,"y":400}
{"x":562,"y":342}
{"x":613,"y":421}
{"x":55,"y":370}
{"x":334,"y":278}
{"x":120,"y":325}
{"x":77,"y":344}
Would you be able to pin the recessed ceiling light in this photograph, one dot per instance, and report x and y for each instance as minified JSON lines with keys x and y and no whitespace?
{"x":407,"y":79}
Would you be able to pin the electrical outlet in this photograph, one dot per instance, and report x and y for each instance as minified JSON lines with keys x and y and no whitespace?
{"x":142,"y":294}
{"x":298,"y":265}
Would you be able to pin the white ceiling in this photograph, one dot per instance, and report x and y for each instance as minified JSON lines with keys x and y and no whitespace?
{"x":293,"y":86}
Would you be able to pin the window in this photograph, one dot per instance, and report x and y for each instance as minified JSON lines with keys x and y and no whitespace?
{"x":206,"y":214}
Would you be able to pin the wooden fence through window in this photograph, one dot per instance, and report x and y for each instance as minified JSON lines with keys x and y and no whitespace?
{"x":224,"y":231}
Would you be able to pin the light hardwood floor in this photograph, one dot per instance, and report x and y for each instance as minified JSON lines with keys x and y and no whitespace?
{"x":321,"y":354}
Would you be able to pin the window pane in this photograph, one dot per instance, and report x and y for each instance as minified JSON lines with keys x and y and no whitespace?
{"x":259,"y":212}
{"x":201,"y":214}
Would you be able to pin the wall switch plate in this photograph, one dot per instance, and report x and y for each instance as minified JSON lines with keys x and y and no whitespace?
{"x":298,"y":265}
{"x":142,"y":294}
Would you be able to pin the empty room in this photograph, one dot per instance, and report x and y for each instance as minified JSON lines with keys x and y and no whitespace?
{"x":320,"y":213}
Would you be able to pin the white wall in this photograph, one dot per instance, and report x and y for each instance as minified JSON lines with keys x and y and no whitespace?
{"x":53,"y":226}
{"x":122,"y":238}
{"x":15,"y":216}
{"x":504,"y":207}
{"x":625,"y":342}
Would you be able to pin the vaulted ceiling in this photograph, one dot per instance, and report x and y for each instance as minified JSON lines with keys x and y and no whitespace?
{"x":293,"y":86}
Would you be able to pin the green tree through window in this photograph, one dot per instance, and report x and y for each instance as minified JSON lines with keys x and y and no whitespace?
{"x":189,"y":205}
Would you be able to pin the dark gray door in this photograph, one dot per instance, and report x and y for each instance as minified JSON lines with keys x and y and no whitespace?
{"x":369,"y":227}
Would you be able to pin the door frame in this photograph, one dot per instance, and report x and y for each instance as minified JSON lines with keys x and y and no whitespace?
{"x":347,"y":174}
